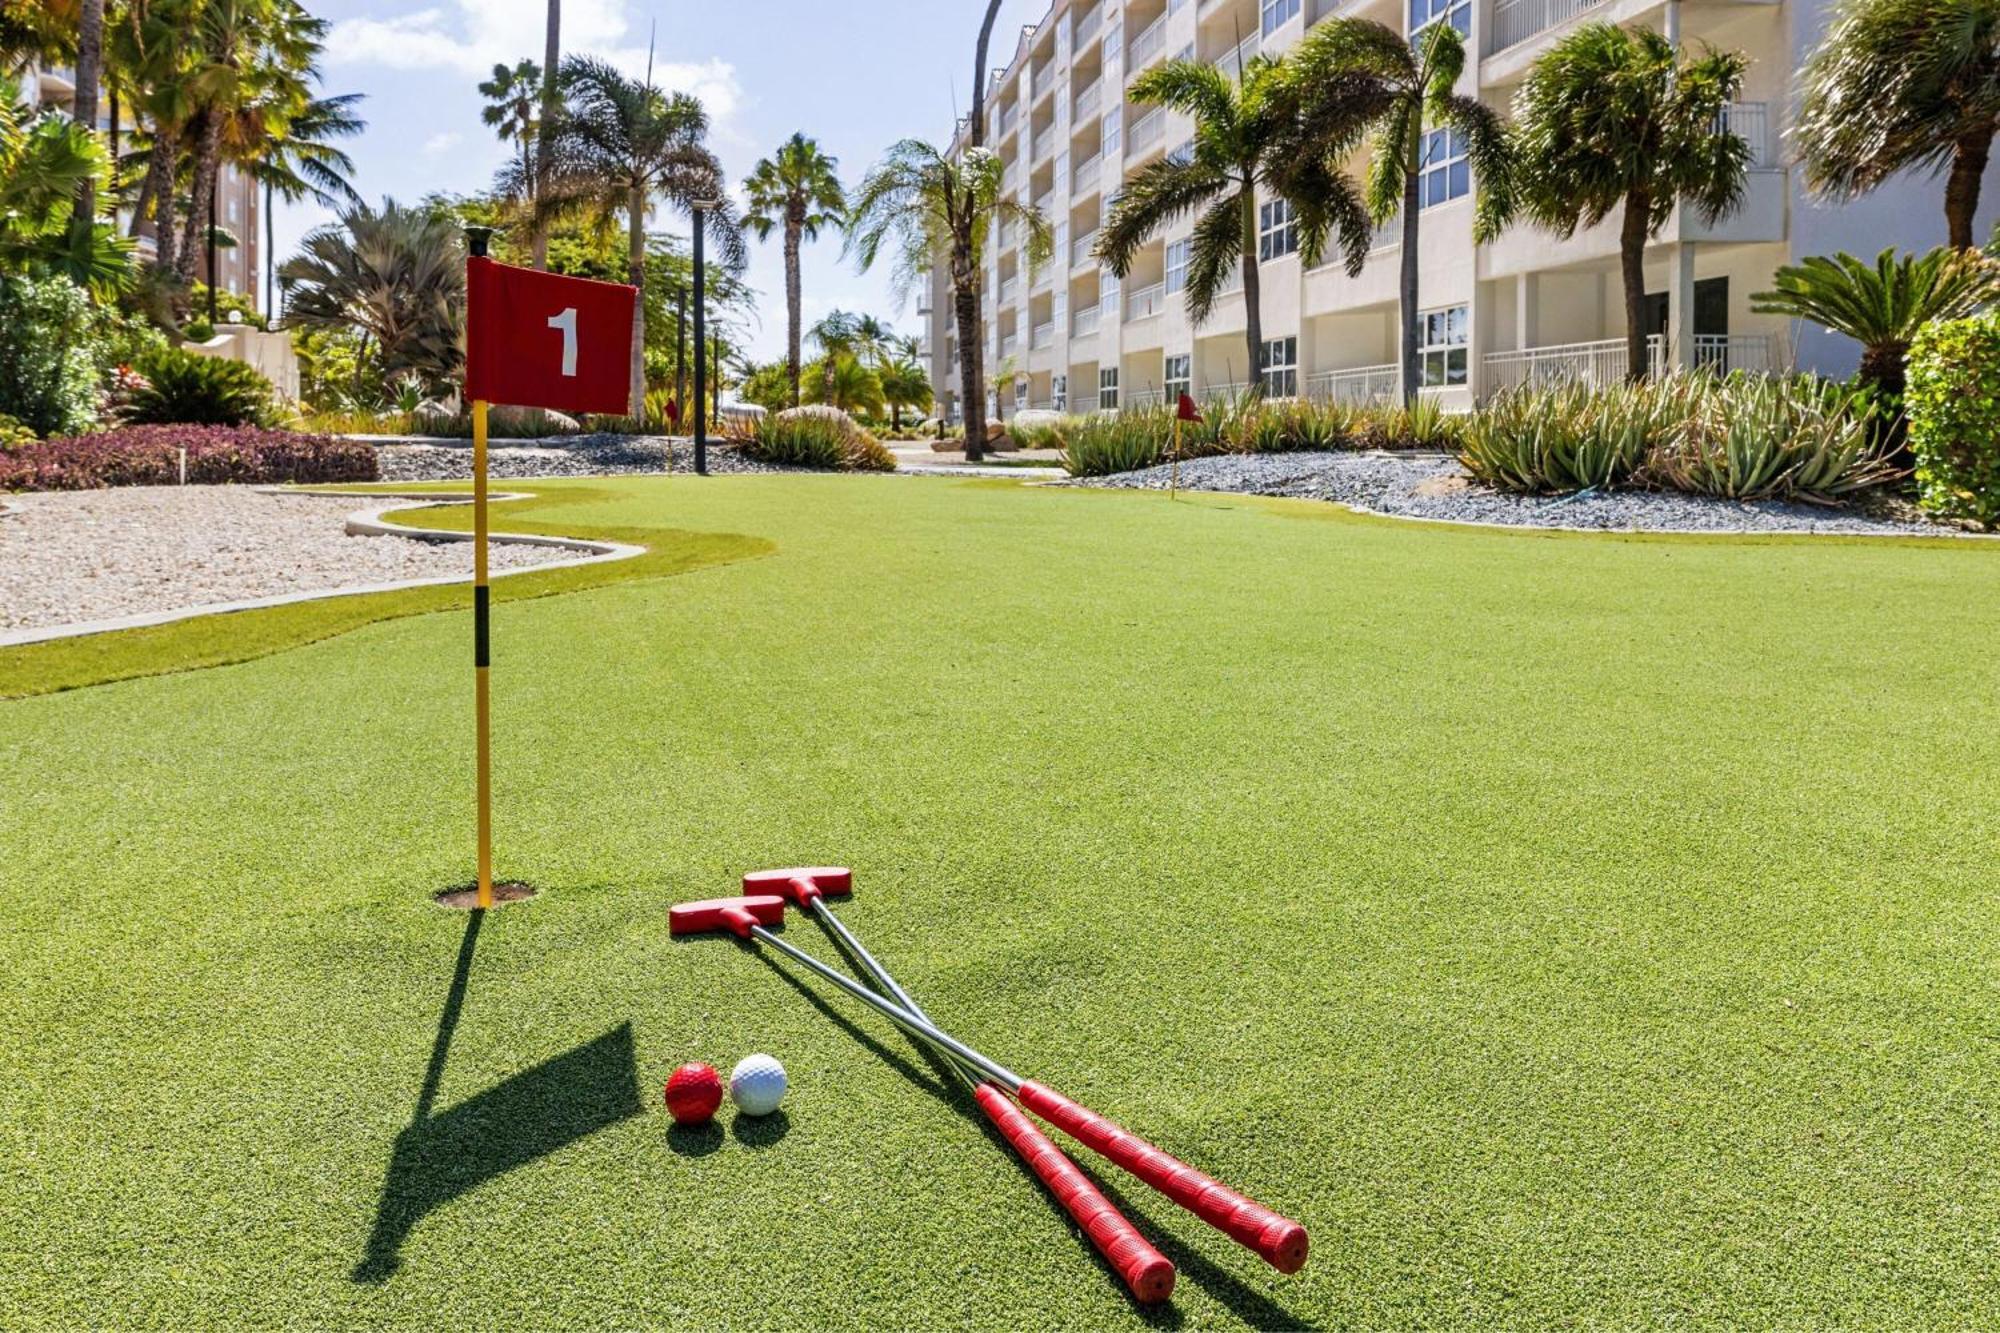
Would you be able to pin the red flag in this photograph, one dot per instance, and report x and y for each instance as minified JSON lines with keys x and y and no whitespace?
{"x":1187,"y":410}
{"x":543,"y":340}
{"x":673,"y":412}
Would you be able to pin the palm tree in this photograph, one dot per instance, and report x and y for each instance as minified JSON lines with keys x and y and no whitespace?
{"x":917,"y":202}
{"x":43,"y":160}
{"x":964,"y":237}
{"x":1357,"y":71}
{"x":904,"y":384}
{"x":512,"y":101}
{"x":796,"y":190}
{"x":83,"y":108}
{"x":1896,"y":85}
{"x":397,"y":276}
{"x":621,"y":145}
{"x":152,"y":51}
{"x":1247,"y":134}
{"x":850,"y":386}
{"x":300,"y":161}
{"x":1882,"y":305}
{"x":1612,"y":119}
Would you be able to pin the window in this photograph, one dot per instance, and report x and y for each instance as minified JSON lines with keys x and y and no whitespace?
{"x":1107,"y":390}
{"x":1020,"y":393}
{"x":1280,"y":364}
{"x":1277,"y":230}
{"x":1458,"y":13}
{"x":1114,"y":121}
{"x":1277,"y":13}
{"x":1177,"y":264}
{"x":1059,"y":392}
{"x":1179,"y":377}
{"x":1444,"y":174}
{"x":1443,"y":353}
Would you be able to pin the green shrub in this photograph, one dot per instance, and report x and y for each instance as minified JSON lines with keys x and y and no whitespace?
{"x":808,"y":440}
{"x":1566,"y":438}
{"x":1953,"y":402}
{"x":48,"y":355}
{"x":1756,"y":437}
{"x":13,"y":434}
{"x":201,"y":390}
{"x":1035,"y":437}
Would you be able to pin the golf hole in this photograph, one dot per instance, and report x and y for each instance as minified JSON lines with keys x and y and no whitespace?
{"x":466,"y":897}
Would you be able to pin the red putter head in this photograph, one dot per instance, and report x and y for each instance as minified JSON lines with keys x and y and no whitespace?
{"x":801,"y":885}
{"x":735,"y":915}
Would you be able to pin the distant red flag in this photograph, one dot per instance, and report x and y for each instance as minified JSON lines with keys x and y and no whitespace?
{"x":673,"y":411}
{"x":1187,"y":410}
{"x":543,"y":340}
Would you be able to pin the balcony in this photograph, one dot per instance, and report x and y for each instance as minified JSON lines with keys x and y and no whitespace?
{"x":57,"y":84}
{"x":1751,"y":353}
{"x":1148,"y":130}
{"x":1752,"y":121}
{"x":1080,"y":248}
{"x":1515,"y":21}
{"x":1602,"y":362}
{"x":1087,"y":174}
{"x":1045,"y":202}
{"x":1088,"y":101}
{"x":1009,"y":289}
{"x":1009,"y":118}
{"x":1147,"y":47}
{"x":1232,"y":63}
{"x":1086,"y":28}
{"x":1044,"y":336}
{"x":1146,"y":302}
{"x":1042,"y":144}
{"x":1009,"y":345}
{"x":1356,"y":387}
{"x":1086,"y":321}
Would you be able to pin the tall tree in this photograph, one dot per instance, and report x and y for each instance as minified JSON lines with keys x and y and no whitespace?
{"x":546,"y":131}
{"x":796,"y":191}
{"x":904,"y":384}
{"x":299,"y":161}
{"x":1903,"y":85}
{"x":512,"y":110}
{"x":964,"y":245}
{"x":1612,"y":120}
{"x":622,"y":146}
{"x":89,"y":75}
{"x":1356,"y":71}
{"x":1248,"y":134}
{"x":917,"y":203}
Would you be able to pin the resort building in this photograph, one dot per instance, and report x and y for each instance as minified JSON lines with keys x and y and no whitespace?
{"x":238,"y":209}
{"x":1070,"y":336}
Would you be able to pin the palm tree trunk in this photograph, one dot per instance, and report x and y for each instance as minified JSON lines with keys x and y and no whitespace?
{"x":964,"y":275}
{"x":545,"y":136}
{"x":89,"y":71}
{"x":1632,"y":268}
{"x":201,"y":213}
{"x":160,"y":184}
{"x":635,"y":273}
{"x":270,"y":256}
{"x":1407,"y":352}
{"x":1253,"y":291}
{"x":794,"y":302}
{"x":971,"y":385}
{"x":1961,"y":191}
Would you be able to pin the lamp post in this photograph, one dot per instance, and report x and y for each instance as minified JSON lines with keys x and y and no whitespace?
{"x":701,"y":210}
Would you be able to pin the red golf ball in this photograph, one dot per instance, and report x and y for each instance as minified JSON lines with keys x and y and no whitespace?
{"x":693,"y":1092}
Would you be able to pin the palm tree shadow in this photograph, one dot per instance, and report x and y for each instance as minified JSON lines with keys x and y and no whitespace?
{"x":517,"y":1121}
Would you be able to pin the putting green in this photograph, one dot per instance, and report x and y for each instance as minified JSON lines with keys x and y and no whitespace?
{"x":1567,"y":930}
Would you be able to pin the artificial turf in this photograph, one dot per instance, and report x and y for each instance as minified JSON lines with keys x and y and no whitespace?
{"x":1570,"y":931}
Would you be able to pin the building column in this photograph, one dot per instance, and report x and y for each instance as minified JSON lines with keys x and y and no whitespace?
{"x":1527,"y":312}
{"x":1680,"y":307}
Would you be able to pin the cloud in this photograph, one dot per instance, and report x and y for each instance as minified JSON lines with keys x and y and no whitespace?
{"x":439,"y":144}
{"x":469,"y":37}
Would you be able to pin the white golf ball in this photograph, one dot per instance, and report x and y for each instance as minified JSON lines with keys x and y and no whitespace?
{"x":757,"y":1084}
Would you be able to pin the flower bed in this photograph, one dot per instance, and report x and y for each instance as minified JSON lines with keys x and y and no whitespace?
{"x":216,"y":455}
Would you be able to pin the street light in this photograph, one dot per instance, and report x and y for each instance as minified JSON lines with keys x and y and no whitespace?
{"x":701,"y":209}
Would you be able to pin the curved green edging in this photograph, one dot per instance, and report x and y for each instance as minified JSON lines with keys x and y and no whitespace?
{"x":240,"y":636}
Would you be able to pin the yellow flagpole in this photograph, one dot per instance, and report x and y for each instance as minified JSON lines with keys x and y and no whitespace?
{"x":1174,"y":482}
{"x":481,"y":655}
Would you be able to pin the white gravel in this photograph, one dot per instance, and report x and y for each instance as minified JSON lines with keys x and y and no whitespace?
{"x":1436,"y":487}
{"x":405,"y":458}
{"x":76,"y":556}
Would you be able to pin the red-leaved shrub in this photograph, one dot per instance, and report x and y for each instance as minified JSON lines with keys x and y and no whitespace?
{"x":216,"y":455}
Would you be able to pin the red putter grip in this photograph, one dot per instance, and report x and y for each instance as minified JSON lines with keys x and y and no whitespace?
{"x":1281,"y":1241}
{"x":1145,"y":1271}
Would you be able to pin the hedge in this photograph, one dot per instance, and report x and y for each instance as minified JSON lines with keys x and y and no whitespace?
{"x":1952,"y":401}
{"x":216,"y":455}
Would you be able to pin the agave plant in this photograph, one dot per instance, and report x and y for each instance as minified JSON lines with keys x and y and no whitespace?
{"x":1881,"y":306}
{"x":1760,"y":437}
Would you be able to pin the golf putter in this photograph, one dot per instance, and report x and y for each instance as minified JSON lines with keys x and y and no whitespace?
{"x":1147,"y":1273}
{"x":1278,"y":1240}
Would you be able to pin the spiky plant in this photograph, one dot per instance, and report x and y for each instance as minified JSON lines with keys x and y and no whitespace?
{"x":1903,"y":85}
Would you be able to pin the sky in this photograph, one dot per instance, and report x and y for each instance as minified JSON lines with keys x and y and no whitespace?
{"x":857,"y":76}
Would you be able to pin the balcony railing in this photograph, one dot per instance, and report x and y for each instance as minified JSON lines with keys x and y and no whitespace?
{"x":1356,"y":387}
{"x":1232,"y":63}
{"x":1211,"y":393}
{"x":1009,"y":344}
{"x":1009,"y":118}
{"x":1146,"y":302}
{"x":1086,"y":27}
{"x":1086,"y":321}
{"x":1079,"y":249}
{"x":1009,"y":289}
{"x":1089,"y":100}
{"x":1043,"y":143}
{"x":1045,"y":335}
{"x":1515,"y":21}
{"x":1182,"y":153}
{"x":1752,"y":121}
{"x":1148,"y":130}
{"x":1088,"y":171}
{"x":1141,"y":398}
{"x":1601,"y":362}
{"x":1045,"y":202}
{"x":1751,"y":353}
{"x":1147,"y":47}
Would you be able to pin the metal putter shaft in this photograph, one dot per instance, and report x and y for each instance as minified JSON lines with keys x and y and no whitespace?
{"x":1279,"y":1240}
{"x":1147,"y":1273}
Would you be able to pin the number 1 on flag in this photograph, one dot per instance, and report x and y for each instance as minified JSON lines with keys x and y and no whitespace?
{"x":566,"y":321}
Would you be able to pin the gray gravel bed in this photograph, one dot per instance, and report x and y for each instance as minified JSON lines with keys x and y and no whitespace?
{"x":1435,"y":486}
{"x":572,"y":456}
{"x":75,"y":556}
